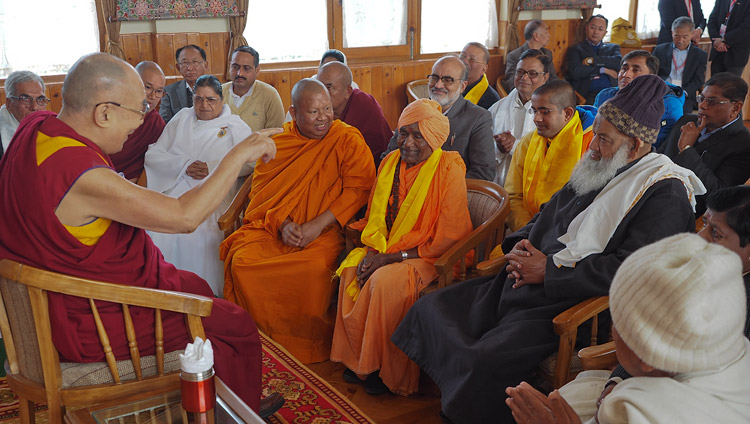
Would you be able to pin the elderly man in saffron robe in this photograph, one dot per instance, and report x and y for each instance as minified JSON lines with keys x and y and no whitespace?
{"x":279,"y":264}
{"x":192,"y":145}
{"x":85,"y":220}
{"x":417,"y":210}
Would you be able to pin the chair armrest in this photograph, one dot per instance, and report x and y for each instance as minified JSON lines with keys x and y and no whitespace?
{"x":492,"y":266}
{"x":570,"y":319}
{"x":230,"y":217}
{"x":598,"y":357}
{"x":444,"y":264}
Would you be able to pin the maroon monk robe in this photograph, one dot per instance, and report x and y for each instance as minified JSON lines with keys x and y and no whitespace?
{"x":129,"y":160}
{"x":364,"y":113}
{"x":43,"y":162}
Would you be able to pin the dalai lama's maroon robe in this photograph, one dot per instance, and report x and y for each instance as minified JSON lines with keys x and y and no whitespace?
{"x":43,"y":162}
{"x":129,"y":160}
{"x":364,"y":113}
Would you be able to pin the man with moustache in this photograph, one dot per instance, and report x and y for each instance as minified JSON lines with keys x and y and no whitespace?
{"x":191,"y":64}
{"x":24,"y":94}
{"x":129,"y":160}
{"x":471,"y":125}
{"x":257,"y":103}
{"x":478,"y":337}
{"x":714,"y":143}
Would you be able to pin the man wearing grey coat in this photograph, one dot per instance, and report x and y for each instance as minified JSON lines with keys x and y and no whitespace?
{"x":191,"y":63}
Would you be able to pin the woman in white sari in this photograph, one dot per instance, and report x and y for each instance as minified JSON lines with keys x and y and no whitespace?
{"x":191,"y":146}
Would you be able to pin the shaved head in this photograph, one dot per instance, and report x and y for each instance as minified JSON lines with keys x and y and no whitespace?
{"x":305,"y":88}
{"x":336,"y":71}
{"x":148,"y":65}
{"x":95,"y":78}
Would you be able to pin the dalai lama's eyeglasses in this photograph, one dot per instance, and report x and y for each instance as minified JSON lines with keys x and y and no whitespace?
{"x":27,"y":100}
{"x":143,"y":112}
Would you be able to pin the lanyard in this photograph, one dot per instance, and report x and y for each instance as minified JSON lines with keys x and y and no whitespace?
{"x":731,"y":6}
{"x":674,"y":63}
{"x":689,"y":6}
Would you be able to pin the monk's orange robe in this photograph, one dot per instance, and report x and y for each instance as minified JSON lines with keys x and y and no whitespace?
{"x":362,"y":338}
{"x":287,"y":289}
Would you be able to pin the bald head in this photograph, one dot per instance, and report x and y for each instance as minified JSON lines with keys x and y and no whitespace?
{"x":306,"y":88}
{"x":153,"y":81}
{"x":149,"y":66}
{"x":96,"y":78}
{"x":335,"y":71}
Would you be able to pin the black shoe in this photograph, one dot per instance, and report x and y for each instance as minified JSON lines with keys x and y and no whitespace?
{"x":270,"y":404}
{"x":444,"y":417}
{"x":351,"y":377}
{"x":374,"y":385}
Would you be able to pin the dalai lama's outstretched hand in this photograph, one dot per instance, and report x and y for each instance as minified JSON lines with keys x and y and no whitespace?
{"x":529,"y":406}
{"x":526,"y":264}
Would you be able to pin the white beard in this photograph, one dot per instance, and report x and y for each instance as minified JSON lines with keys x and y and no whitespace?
{"x":589,"y":174}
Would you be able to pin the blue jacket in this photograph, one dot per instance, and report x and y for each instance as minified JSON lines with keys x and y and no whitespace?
{"x":674,"y":101}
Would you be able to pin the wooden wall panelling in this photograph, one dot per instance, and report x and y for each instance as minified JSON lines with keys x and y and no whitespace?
{"x":562,"y":36}
{"x":164,"y":53}
{"x":54,"y":92}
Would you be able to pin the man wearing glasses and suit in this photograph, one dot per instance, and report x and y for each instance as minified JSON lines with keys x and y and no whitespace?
{"x":191,"y":63}
{"x":471,"y":125}
{"x":24,"y":91}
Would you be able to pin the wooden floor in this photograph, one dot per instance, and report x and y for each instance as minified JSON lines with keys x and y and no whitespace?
{"x":421,"y":408}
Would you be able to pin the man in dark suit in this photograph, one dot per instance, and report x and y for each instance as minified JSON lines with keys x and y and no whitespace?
{"x":191,"y":63}
{"x":593,"y":64}
{"x":537,"y":37}
{"x":682,"y":63}
{"x":673,"y":9}
{"x":715,"y":143}
{"x":729,"y":29}
{"x":471,"y":125}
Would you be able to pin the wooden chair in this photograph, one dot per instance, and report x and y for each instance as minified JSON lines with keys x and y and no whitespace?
{"x":417,"y":89}
{"x":35,"y":372}
{"x":499,"y":87}
{"x":231,"y":219}
{"x":600,"y":357}
{"x":562,"y":366}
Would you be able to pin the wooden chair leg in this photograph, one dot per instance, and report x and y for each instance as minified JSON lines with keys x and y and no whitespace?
{"x":26,"y":411}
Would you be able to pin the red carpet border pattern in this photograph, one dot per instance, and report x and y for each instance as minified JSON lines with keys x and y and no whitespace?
{"x":309,"y":399}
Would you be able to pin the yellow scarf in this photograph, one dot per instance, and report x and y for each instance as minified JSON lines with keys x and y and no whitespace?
{"x":375,"y":233}
{"x":564,"y":151}
{"x":476,"y":93}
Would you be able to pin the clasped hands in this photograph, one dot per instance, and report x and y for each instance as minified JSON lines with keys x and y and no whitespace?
{"x":720,"y":45}
{"x":529,"y":406}
{"x":526,"y":264}
{"x":504,"y":141}
{"x":197,"y":170}
{"x":371,"y":262}
{"x":300,"y":235}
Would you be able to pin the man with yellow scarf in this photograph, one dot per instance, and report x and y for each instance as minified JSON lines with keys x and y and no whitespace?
{"x":417,"y":211}
{"x":476,"y":57}
{"x":544,"y":159}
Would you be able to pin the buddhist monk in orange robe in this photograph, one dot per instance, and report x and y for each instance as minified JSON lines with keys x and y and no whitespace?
{"x":417,"y":211}
{"x":279,"y":264}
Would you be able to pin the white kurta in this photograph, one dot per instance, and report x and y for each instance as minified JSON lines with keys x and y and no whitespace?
{"x":719,"y":396}
{"x":186,"y":139}
{"x":509,"y":114}
{"x":8,"y":126}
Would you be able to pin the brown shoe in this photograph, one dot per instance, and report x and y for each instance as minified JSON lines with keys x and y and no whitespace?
{"x":270,"y":404}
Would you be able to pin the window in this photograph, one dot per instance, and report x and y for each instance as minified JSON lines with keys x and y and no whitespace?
{"x":367,"y":23}
{"x":478,"y":22}
{"x":297,"y":31}
{"x":648,"y":21}
{"x":49,"y":44}
{"x":613,"y":10}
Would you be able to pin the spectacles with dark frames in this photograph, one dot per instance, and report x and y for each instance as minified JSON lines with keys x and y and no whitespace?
{"x":447,"y":80}
{"x":26,"y":99}
{"x":146,"y":107}
{"x":711,"y":101}
{"x":532,"y":74}
{"x":158,"y":91}
{"x":193,"y":63}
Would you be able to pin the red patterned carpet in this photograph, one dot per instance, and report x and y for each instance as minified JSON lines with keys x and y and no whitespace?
{"x":309,"y":399}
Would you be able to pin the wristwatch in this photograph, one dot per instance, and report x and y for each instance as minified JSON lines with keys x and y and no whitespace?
{"x":404,"y":255}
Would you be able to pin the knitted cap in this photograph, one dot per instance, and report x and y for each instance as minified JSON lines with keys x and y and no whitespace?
{"x":433,"y":125}
{"x":636,"y":110}
{"x":679,"y":304}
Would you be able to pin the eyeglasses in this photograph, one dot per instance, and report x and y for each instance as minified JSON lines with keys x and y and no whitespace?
{"x":447,"y":80}
{"x":158,"y":91}
{"x":469,"y":59}
{"x":520,"y":73}
{"x":210,"y":100}
{"x":711,"y":101}
{"x":146,"y":107}
{"x":542,"y":111}
{"x":193,"y":63}
{"x":27,"y":100}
